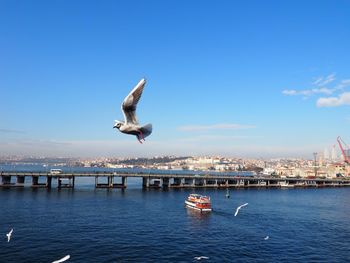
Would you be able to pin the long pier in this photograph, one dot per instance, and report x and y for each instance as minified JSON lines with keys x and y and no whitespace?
{"x":160,"y":180}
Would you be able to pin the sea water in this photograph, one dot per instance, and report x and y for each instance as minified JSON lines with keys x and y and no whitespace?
{"x":135,"y":225}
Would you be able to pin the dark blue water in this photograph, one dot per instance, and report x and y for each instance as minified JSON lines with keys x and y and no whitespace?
{"x":304,"y":225}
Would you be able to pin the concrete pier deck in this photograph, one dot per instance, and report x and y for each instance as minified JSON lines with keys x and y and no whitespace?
{"x":161,"y":180}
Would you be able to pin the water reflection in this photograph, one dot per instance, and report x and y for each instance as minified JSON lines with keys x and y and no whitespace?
{"x":196,"y":214}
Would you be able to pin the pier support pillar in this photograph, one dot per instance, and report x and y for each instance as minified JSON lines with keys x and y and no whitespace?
{"x":20,"y":180}
{"x":145,"y":182}
{"x":48,"y":182}
{"x":35,"y":180}
{"x":6,"y":180}
{"x":124,"y":180}
{"x":165,"y":183}
{"x":182,"y":182}
{"x":110,"y":181}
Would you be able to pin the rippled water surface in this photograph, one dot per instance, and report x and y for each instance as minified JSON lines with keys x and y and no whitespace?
{"x":304,"y":225}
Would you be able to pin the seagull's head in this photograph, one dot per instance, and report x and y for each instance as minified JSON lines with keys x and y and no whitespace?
{"x":118,"y":124}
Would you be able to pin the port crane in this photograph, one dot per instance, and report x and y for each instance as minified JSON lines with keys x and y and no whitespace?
{"x":344,"y":149}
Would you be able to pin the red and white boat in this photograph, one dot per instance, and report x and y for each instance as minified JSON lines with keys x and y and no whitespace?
{"x":198,"y":202}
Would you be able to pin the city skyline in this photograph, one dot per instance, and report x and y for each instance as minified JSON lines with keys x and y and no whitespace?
{"x":231,"y":78}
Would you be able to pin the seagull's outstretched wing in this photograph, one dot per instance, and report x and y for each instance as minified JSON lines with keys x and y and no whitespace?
{"x":62,"y":259}
{"x":9,"y":235}
{"x":238,"y":208}
{"x":201,"y":257}
{"x":130,"y":103}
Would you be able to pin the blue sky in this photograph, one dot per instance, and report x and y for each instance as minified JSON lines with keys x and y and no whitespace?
{"x":233,"y":78}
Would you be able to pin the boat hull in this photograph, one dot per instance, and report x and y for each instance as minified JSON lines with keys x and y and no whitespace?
{"x":193,"y":206}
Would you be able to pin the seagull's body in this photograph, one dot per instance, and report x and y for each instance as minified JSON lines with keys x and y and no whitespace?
{"x":201,"y":257}
{"x":62,"y":259}
{"x":238,"y":208}
{"x":266,"y":238}
{"x":130,"y":125}
{"x":9,"y":235}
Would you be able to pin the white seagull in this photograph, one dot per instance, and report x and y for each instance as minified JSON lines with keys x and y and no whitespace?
{"x":62,"y":259}
{"x":9,"y":235}
{"x":266,"y":238}
{"x":238,"y":208}
{"x":130,"y":125}
{"x":201,"y":257}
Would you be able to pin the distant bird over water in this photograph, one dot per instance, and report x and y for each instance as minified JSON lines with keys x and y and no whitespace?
{"x":201,"y":257}
{"x":239,"y":208}
{"x":9,"y":234}
{"x":130,"y":124}
{"x":62,"y":259}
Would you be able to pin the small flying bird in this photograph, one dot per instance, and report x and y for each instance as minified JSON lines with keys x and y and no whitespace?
{"x":62,"y":259}
{"x":130,"y":125}
{"x":266,"y":238}
{"x":201,"y":257}
{"x":238,"y":208}
{"x":9,"y":235}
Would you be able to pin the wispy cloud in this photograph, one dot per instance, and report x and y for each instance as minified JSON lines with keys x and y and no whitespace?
{"x":220,"y":126}
{"x":10,"y":131}
{"x":335,"y":99}
{"x":342,"y":99}
{"x":322,"y":81}
{"x":343,"y":84}
{"x":309,"y":92}
{"x":318,"y":87}
{"x":217,"y":138}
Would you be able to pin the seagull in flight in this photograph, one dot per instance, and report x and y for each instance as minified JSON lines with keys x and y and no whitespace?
{"x":130,"y":125}
{"x":201,"y":257}
{"x":238,"y":208}
{"x":9,"y":235}
{"x":62,"y":259}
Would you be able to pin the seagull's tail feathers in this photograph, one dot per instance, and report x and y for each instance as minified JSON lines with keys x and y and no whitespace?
{"x":146,"y":130}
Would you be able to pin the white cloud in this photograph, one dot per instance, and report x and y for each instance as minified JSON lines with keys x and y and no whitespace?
{"x":320,"y":89}
{"x":342,"y":99}
{"x":290,"y":92}
{"x":343,"y":84}
{"x":317,"y":81}
{"x":221,"y":126}
{"x":309,"y":92}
